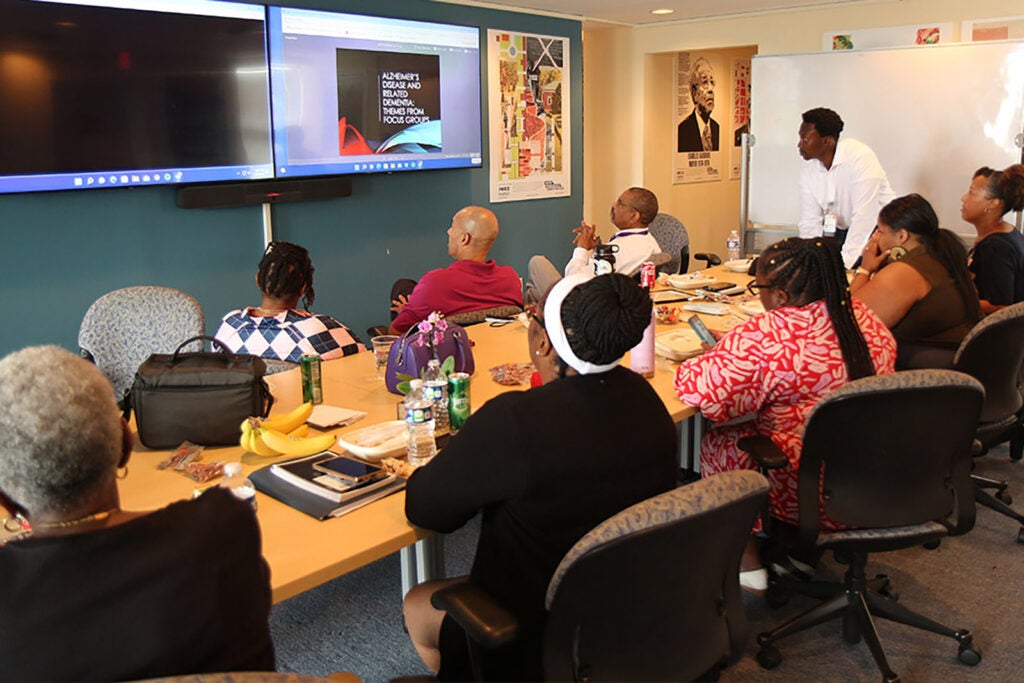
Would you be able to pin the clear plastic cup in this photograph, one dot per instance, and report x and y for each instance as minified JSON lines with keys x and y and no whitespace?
{"x":381,"y":349}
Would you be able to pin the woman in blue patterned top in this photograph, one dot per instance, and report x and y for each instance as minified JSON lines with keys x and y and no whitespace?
{"x":277,"y":328}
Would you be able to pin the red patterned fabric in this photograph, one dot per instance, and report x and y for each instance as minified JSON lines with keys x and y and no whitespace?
{"x":774,"y":368}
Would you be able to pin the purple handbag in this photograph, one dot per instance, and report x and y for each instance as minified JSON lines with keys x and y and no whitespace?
{"x":409,"y":357}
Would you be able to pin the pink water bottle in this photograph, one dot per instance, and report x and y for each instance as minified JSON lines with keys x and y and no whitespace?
{"x":641,"y":357}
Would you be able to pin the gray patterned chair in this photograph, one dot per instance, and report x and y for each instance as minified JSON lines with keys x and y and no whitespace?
{"x":475,"y":317}
{"x":889,"y":457}
{"x":650,"y":594}
{"x":673,"y":239}
{"x":123,"y":327}
{"x":993,"y":353}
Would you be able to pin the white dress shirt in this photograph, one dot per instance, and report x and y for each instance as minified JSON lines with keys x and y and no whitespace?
{"x":635,"y":247}
{"x":858,"y":186}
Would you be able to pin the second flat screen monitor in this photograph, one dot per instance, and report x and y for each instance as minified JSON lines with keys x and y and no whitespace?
{"x":359,"y":94}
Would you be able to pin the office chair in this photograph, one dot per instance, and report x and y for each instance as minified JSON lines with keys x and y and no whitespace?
{"x":650,"y":594}
{"x":865,"y":446}
{"x":465,"y":319}
{"x":123,"y":327}
{"x":673,"y":239}
{"x":475,"y":317}
{"x":256,"y":677}
{"x":275,"y":365}
{"x":993,"y":353}
{"x":709,"y":259}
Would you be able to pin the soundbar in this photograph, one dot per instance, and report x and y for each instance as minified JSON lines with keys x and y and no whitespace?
{"x":260,"y":192}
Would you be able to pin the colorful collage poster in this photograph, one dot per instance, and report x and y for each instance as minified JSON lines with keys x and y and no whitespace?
{"x":889,"y":36}
{"x":699,"y":137}
{"x":529,"y":137}
{"x":740,"y":114}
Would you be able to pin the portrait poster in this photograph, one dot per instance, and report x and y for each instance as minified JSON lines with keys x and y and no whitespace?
{"x":740,"y":114}
{"x":528,"y":89}
{"x":699,"y":136}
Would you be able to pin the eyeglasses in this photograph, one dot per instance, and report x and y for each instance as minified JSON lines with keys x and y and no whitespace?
{"x":534,"y":311}
{"x":755,"y":288}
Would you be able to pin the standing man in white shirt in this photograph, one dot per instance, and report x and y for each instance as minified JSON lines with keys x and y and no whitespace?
{"x":844,"y":172}
{"x":631,"y":213}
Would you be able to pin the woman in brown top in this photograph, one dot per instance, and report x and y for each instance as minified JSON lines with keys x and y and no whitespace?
{"x":914,"y":276}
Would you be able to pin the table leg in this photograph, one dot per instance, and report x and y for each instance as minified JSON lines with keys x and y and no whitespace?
{"x":423,"y":561}
{"x":430,"y":557}
{"x":699,"y":425}
{"x":407,"y":561}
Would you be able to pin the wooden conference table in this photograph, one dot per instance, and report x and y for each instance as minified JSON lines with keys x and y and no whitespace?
{"x":303,"y":552}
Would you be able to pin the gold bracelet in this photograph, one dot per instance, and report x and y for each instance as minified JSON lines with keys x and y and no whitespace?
{"x":861,"y":271}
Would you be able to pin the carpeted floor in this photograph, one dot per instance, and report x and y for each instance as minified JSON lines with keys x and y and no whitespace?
{"x":975,"y":582}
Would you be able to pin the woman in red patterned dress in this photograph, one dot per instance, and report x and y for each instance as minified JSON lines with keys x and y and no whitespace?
{"x":812,"y":338}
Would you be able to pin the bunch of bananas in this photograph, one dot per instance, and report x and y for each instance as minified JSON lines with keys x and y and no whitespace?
{"x":283,"y":435}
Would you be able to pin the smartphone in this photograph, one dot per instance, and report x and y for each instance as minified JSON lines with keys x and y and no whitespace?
{"x":703,"y":333}
{"x":348,"y":469}
{"x":723,"y":288}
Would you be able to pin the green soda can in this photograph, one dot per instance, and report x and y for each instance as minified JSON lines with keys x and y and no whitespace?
{"x":458,"y":400}
{"x":312,"y":388}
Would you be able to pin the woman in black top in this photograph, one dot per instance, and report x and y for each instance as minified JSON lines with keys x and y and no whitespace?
{"x":997,"y":258}
{"x":544,"y":467}
{"x":91,"y":592}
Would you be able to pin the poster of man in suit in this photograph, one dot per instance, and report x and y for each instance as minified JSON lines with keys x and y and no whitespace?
{"x":698,"y":137}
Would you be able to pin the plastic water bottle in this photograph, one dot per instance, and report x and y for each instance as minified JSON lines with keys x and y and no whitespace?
{"x":435,"y":387}
{"x":828,"y":224}
{"x":732,"y":246}
{"x":419,"y":421}
{"x":239,"y":484}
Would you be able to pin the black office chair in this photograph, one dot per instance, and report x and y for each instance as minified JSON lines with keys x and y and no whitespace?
{"x":650,"y":594}
{"x":868,"y":445}
{"x":709,"y":259}
{"x":993,"y":353}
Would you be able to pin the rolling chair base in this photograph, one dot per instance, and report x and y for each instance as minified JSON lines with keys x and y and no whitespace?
{"x":856,"y":603}
{"x":1000,"y":503}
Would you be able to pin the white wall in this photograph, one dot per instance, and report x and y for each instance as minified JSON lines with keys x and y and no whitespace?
{"x":627,"y":133}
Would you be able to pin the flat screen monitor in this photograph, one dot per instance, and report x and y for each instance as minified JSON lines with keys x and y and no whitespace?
{"x":111,"y":93}
{"x":361,"y":94}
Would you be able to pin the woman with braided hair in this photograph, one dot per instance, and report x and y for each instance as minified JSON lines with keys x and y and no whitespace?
{"x":276,"y":328}
{"x":811,"y":339}
{"x":544,"y":467}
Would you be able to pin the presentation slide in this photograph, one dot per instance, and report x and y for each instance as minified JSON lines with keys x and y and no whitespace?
{"x":360,"y":94}
{"x":404,"y":95}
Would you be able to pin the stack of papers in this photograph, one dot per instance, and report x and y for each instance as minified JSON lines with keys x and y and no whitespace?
{"x":326,"y":417}
{"x":292,"y":482}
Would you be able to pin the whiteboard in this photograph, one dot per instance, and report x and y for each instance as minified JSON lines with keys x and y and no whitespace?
{"x":933,"y":115}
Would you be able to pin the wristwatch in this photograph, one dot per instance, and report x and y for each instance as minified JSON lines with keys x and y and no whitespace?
{"x":862,"y":271}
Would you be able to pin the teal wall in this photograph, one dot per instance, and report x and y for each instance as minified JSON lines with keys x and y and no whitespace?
{"x":62,"y":250}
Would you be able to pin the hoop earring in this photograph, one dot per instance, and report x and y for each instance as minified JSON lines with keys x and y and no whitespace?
{"x":122,"y":472}
{"x":15,"y":524}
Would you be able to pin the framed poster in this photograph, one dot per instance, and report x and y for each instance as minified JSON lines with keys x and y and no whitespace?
{"x":740,"y":114}
{"x":699,"y":137}
{"x":527,"y":91}
{"x":890,"y":36}
{"x":1004,"y":28}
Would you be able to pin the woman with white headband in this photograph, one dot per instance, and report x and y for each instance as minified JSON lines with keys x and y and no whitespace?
{"x":544,"y":467}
